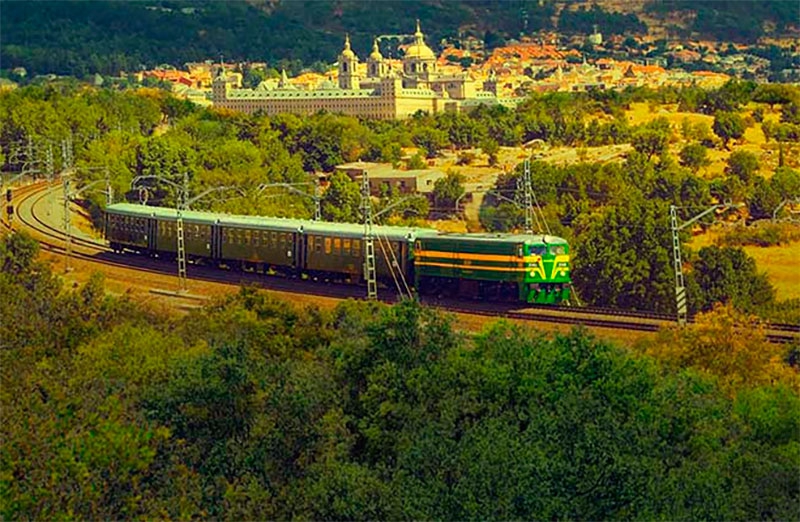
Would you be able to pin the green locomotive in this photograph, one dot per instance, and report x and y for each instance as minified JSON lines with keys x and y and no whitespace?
{"x":533,"y":269}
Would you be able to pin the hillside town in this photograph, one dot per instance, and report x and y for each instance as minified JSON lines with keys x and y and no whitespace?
{"x":469,"y":71}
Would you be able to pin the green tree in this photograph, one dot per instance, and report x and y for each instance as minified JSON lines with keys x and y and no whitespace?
{"x":342,"y":199}
{"x":447,"y":190}
{"x":623,"y":256}
{"x":490,"y":147}
{"x":728,"y":126}
{"x":729,"y":275}
{"x":652,"y":140}
{"x":417,"y":162}
{"x":743,"y":165}
{"x":764,"y":199}
{"x":786,"y":182}
{"x":774,"y":94}
{"x":694,"y":156}
{"x":431,"y":139}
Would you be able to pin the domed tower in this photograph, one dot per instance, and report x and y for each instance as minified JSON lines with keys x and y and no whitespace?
{"x":419,"y":59}
{"x":375,"y":66}
{"x":348,"y":67}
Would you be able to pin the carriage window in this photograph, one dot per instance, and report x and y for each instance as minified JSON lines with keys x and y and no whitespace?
{"x":346,"y":247}
{"x":538,"y":250}
{"x":246,"y":237}
{"x":317,"y":244}
{"x":557,"y":250}
{"x":337,"y":246}
{"x":519,"y":250}
{"x":356,"y":247}
{"x":327,"y":245}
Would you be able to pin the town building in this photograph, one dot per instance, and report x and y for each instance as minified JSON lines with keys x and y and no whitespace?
{"x":375,"y":89}
{"x":386,"y":180}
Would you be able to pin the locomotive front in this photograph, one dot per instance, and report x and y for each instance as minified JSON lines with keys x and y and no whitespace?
{"x":547,"y":274}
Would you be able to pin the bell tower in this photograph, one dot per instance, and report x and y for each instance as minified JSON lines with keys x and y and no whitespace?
{"x":376,"y":68}
{"x":348,"y":67}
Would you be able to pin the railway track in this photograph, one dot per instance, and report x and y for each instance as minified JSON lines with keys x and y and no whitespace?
{"x":53,"y":239}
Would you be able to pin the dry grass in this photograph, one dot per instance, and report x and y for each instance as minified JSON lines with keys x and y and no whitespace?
{"x":781,"y":263}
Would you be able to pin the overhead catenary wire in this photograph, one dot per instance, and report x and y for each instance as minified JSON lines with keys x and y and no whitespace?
{"x":396,"y":264}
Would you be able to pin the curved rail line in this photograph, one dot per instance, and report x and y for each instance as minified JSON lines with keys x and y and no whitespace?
{"x":587,"y":316}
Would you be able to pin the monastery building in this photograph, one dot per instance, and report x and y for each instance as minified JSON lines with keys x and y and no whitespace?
{"x":383,"y":93}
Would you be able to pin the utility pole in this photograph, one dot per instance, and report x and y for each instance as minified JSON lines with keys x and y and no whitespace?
{"x":50,"y":172}
{"x":317,"y":201}
{"x":370,"y":273}
{"x":183,"y":198}
{"x":680,"y":286}
{"x":109,"y":188}
{"x":528,"y":200}
{"x":182,"y":204}
{"x":67,"y":223}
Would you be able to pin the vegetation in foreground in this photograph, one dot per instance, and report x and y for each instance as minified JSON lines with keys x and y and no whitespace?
{"x":254,"y":409}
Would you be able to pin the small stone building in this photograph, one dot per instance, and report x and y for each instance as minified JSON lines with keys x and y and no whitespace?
{"x":385,"y":179}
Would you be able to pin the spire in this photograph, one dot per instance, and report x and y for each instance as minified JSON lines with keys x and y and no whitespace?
{"x":284,"y":79}
{"x":419,"y":38}
{"x":376,"y":51}
{"x":347,"y":52}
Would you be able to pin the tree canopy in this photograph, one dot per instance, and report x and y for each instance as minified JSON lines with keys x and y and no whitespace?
{"x":255,"y":408}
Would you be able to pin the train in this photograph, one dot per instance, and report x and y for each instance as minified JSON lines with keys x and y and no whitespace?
{"x":519,"y":267}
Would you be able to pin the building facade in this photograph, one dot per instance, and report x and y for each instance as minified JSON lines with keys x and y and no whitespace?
{"x":382,"y":93}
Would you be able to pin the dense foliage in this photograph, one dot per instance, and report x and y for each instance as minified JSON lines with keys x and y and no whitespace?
{"x":81,"y":37}
{"x":737,"y":21}
{"x":254,"y":409}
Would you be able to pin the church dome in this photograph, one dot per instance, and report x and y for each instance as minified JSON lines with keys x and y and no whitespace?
{"x":376,"y":52}
{"x":347,"y":52}
{"x":418,"y":49}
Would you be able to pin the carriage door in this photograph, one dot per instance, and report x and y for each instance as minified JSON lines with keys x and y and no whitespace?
{"x":151,"y":227}
{"x":216,"y":241}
